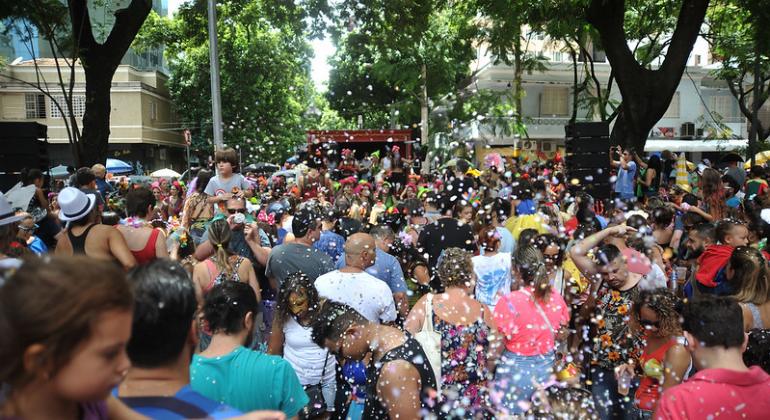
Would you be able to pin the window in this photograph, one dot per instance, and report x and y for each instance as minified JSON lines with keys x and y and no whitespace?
{"x":35,"y":105}
{"x":673,"y":107}
{"x":153,"y":110}
{"x":696,"y":59}
{"x":557,"y":56}
{"x":553,"y":102}
{"x":723,"y":106}
{"x":162,"y":154}
{"x":78,"y":106}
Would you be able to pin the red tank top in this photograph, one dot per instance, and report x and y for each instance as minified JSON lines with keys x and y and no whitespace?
{"x":147,"y":253}
{"x":650,"y":386}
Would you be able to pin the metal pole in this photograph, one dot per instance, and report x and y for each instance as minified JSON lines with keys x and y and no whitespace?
{"x":216,"y":101}
{"x":189,"y":166}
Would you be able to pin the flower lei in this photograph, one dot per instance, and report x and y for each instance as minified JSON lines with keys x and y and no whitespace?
{"x":135,"y":222}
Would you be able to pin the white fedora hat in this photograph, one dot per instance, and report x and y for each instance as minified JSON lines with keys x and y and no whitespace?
{"x":75,"y":204}
{"x":7,"y":214}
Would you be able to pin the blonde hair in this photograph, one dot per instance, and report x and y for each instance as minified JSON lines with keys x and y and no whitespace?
{"x":530,"y":265}
{"x":219,"y":235}
{"x":455,"y":268}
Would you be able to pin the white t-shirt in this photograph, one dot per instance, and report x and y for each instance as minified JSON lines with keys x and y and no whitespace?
{"x":493,"y":277}
{"x":655,"y":279}
{"x":367,"y":294}
{"x":305,"y":356}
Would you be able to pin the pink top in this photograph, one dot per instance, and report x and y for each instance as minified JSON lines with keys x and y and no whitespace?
{"x":525,"y":331}
{"x":718,"y":393}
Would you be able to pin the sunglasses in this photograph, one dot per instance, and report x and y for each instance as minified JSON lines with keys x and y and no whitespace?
{"x":233,"y":211}
{"x":28,"y":229}
{"x":648,"y":323}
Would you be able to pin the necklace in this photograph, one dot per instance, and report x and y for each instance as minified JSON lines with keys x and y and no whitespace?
{"x":135,"y":222}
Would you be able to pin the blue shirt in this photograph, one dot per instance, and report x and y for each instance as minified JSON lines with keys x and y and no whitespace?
{"x":624,"y":184}
{"x":162,"y":409}
{"x":249,"y":380}
{"x":331,"y":244}
{"x":525,"y":207}
{"x":385,"y":268}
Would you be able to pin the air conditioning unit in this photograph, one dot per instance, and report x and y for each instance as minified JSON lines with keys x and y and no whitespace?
{"x":529,"y":145}
{"x":688,"y":130}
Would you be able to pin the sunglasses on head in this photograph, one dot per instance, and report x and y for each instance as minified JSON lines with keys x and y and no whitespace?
{"x":233,"y":211}
{"x":28,"y":229}
{"x":648,"y":323}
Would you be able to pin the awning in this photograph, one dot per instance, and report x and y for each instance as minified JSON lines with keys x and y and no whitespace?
{"x":695,"y":145}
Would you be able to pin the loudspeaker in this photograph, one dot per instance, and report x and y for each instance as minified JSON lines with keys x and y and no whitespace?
{"x":587,"y":158}
{"x":22,"y":145}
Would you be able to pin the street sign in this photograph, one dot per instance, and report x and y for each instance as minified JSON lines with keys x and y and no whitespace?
{"x":187,"y":137}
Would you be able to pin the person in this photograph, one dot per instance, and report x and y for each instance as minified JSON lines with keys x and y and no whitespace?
{"x":104,"y":187}
{"x":463,"y":211}
{"x":229,"y":372}
{"x":532,"y":321}
{"x":26,"y":235}
{"x":492,"y":269}
{"x":648,"y":184}
{"x":400,"y":381}
{"x":163,"y":341}
{"x":713,"y":207}
{"x":560,"y":279}
{"x":85,"y":180}
{"x":386,"y":267}
{"x":710,"y":273}
{"x":84,"y":235}
{"x":664,"y":361}
{"x":299,"y":255}
{"x":39,"y":207}
{"x":246,"y":240}
{"x":197,"y":212}
{"x":747,"y":274}
{"x":223,"y":266}
{"x":446,"y":232}
{"x":291,"y":338}
{"x":227,"y":182}
{"x":756,"y":186}
{"x":469,"y":345}
{"x":145,"y":242}
{"x":715,"y":338}
{"x":330,"y":242}
{"x":735,"y":170}
{"x":65,"y":324}
{"x":353,"y":286}
{"x":624,"y":184}
{"x":613,"y":292}
{"x":173,"y":204}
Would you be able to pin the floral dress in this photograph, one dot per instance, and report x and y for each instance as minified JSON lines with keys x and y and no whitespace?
{"x":464,"y":370}
{"x":615,"y":343}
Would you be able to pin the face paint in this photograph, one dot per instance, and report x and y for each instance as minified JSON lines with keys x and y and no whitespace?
{"x":298,"y":303}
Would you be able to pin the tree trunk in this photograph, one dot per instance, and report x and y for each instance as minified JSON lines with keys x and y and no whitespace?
{"x":424,"y":105}
{"x":646,"y":93}
{"x":96,"y":120}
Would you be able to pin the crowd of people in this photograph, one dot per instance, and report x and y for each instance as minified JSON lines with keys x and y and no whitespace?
{"x":356,"y":286}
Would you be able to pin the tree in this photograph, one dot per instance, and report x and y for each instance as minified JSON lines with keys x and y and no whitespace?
{"x":740,"y":37}
{"x":264,"y":62}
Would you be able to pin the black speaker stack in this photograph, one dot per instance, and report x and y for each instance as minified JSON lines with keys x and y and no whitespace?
{"x":587,"y":158}
{"x":22,"y":145}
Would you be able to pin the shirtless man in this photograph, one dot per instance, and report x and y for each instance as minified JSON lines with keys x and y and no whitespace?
{"x":84,"y":235}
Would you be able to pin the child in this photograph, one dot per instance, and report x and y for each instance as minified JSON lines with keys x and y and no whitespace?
{"x":65,"y":325}
{"x":227,"y":183}
{"x":756,"y":186}
{"x":664,"y":362}
{"x":710,"y":275}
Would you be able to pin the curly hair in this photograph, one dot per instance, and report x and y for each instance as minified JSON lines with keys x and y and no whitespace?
{"x":455,"y":268}
{"x":298,"y":283}
{"x":665,"y":304}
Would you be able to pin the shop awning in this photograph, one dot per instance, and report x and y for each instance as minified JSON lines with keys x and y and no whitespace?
{"x":677,"y":146}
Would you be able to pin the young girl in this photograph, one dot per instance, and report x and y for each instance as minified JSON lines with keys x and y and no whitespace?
{"x":65,"y":325}
{"x":664,"y":361}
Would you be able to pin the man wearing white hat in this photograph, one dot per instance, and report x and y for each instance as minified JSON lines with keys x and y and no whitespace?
{"x":84,"y":235}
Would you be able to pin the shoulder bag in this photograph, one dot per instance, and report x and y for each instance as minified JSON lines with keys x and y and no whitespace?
{"x":430,"y":340}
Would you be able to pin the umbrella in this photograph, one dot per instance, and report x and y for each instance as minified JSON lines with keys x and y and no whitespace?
{"x":166,"y":173}
{"x":731,"y":157}
{"x":759,"y":159}
{"x":19,"y":196}
{"x":682,"y":178}
{"x":265,"y":167}
{"x":451,"y":162}
{"x":59,"y":172}
{"x":117,"y":166}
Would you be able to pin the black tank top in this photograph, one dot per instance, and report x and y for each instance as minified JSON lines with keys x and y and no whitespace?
{"x":79,"y":242}
{"x":412,"y":352}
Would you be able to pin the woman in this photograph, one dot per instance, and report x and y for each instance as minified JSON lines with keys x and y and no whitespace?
{"x":291,"y":338}
{"x":648,"y":182}
{"x":145,"y":242}
{"x":712,"y":193}
{"x":223,"y":265}
{"x":26,"y":235}
{"x":173,"y":204}
{"x":492,"y":269}
{"x":468,"y":348}
{"x":231,"y":373}
{"x":748,"y":275}
{"x":196,"y":211}
{"x":532,"y":321}
{"x":39,"y":207}
{"x":552,"y":249}
{"x":463,"y":211}
{"x":664,"y":361}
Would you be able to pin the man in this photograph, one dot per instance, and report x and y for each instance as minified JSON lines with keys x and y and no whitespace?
{"x":85,"y":180}
{"x":352,"y":286}
{"x":299,"y":255}
{"x":461,"y":184}
{"x":386,"y":267}
{"x":164,"y":336}
{"x":401,"y":380}
{"x":735,"y":171}
{"x":102,"y":185}
{"x":624,"y":183}
{"x":239,"y":243}
{"x":446,"y":232}
{"x":723,"y":387}
{"x":330,"y":243}
{"x":84,"y":234}
{"x":614,"y":342}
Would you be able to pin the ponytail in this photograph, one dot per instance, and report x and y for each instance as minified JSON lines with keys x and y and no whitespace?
{"x":529,"y":263}
{"x":219,"y":236}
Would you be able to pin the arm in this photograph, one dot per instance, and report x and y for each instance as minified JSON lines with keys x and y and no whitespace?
{"x":639,"y":161}
{"x":416,"y":317}
{"x":41,"y":198}
{"x":402,"y":303}
{"x":186,"y":215}
{"x":579,"y":252}
{"x":275,"y":345}
{"x":160,"y":246}
{"x":676,"y":238}
{"x":260,"y":252}
{"x":496,"y":346}
{"x":399,"y":389}
{"x":676,"y":363}
{"x":252,"y":276}
{"x":119,"y":249}
{"x":204,"y":250}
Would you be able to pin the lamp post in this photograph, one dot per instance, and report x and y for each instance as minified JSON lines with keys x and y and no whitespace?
{"x":216,"y":101}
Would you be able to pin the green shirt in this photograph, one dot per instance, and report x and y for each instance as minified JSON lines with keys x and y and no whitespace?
{"x":249,"y":380}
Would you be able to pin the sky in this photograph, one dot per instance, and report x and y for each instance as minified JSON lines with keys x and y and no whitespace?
{"x":323,"y":49}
